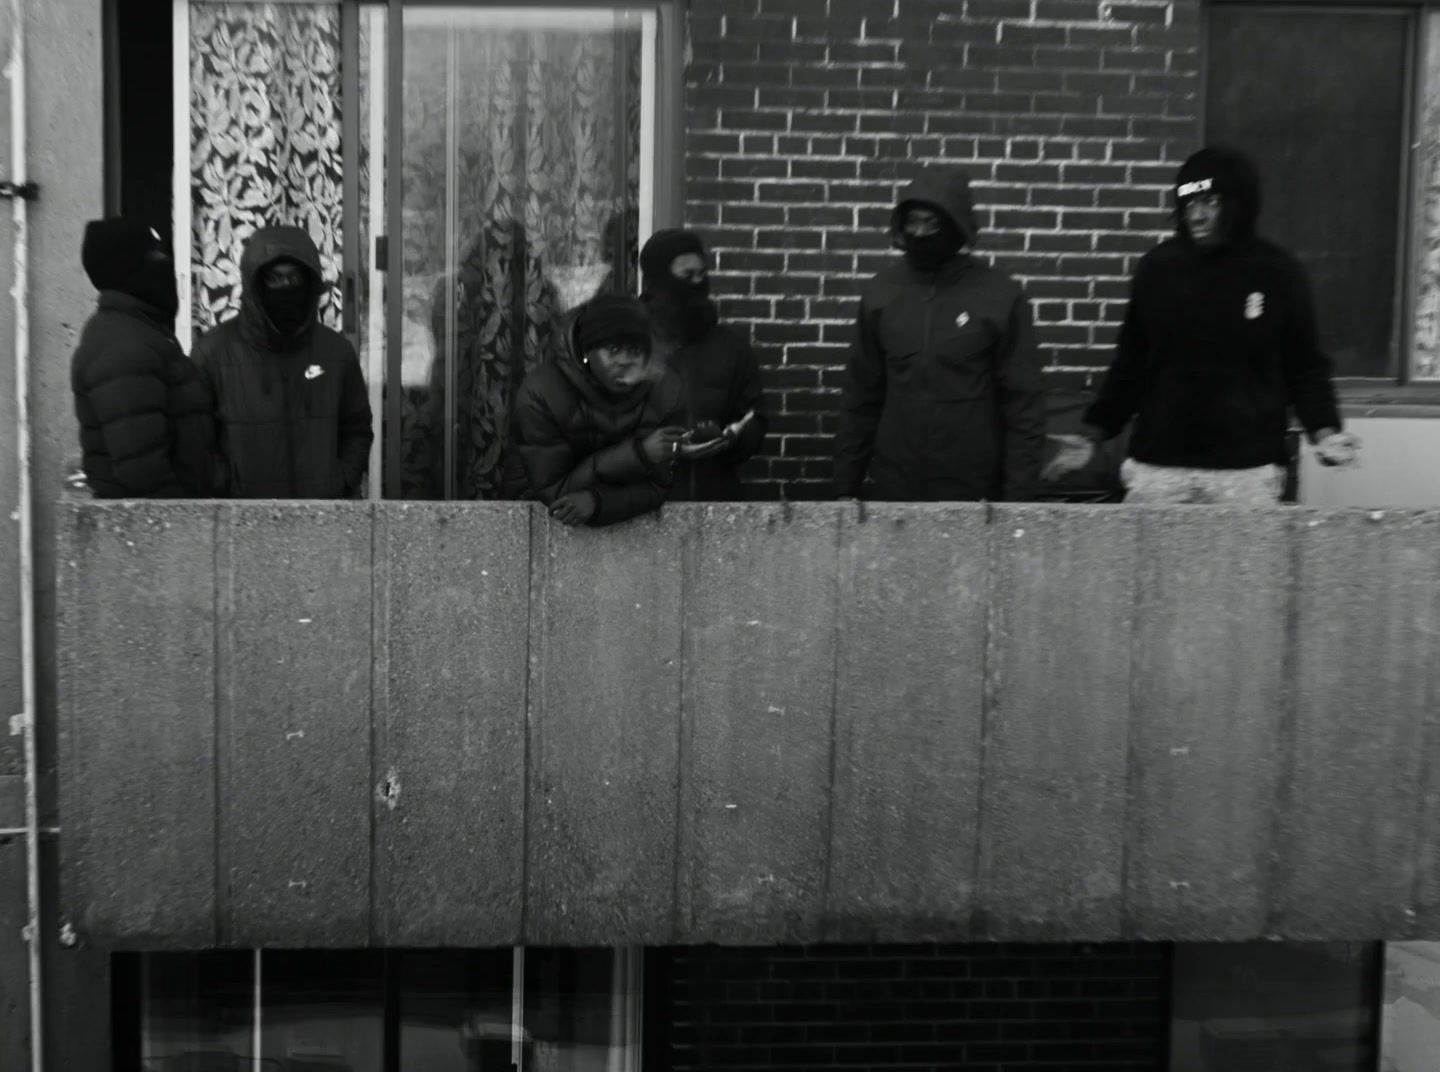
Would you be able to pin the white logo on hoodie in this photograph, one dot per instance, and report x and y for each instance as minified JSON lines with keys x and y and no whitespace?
{"x":314,"y":371}
{"x":1255,"y":305}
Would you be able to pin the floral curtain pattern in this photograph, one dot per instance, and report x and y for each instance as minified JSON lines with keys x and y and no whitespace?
{"x":264,"y":142}
{"x":521,"y":188}
{"x":1427,"y":267}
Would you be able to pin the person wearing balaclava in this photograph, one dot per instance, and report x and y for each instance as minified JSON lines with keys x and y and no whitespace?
{"x":598,"y":427}
{"x":724,"y":409}
{"x":147,"y":427}
{"x":293,"y":409}
{"x":942,"y":397}
{"x":1217,"y":348}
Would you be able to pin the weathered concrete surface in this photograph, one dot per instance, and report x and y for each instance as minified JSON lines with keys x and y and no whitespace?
{"x":759,"y":639}
{"x":908,"y":720}
{"x":139,"y":680}
{"x":450,"y":666}
{"x":939,"y":721}
{"x":294,"y":723}
{"x":604,"y":746}
{"x":1210,"y":637}
{"x":1052,"y":818}
{"x":1367,"y":671}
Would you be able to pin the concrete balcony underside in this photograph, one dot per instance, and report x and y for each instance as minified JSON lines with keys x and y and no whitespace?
{"x":463,"y":725}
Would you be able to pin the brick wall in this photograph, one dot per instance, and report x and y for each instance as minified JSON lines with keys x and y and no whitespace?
{"x":804,"y":117}
{"x":991,"y":1007}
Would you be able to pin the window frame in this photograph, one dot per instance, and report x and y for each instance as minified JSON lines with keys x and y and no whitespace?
{"x":1400,"y":386}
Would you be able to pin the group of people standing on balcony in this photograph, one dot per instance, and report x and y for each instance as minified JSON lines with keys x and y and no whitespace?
{"x":653,"y":398}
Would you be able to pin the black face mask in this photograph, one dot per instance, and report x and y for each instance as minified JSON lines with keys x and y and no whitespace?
{"x":684,"y":308}
{"x":287,"y":307}
{"x":155,"y":285}
{"x":927,"y":253}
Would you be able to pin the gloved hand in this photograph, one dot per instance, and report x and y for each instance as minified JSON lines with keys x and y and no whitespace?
{"x":662,"y":446}
{"x":575,"y":508}
{"x":1076,"y":452}
{"x":1337,"y":449}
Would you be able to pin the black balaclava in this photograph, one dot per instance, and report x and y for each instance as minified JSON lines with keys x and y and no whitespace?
{"x":287,"y":307}
{"x":129,"y":256}
{"x":680,"y":307}
{"x":928,"y":253}
{"x":1224,"y":170}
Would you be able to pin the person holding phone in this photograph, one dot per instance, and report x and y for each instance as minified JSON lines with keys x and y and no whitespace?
{"x":716,"y":365}
{"x":599,"y":428}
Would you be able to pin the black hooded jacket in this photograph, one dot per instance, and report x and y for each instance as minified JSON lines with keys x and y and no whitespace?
{"x":294,"y":413}
{"x":1218,"y":345}
{"x":943,"y":398}
{"x":573,"y":435}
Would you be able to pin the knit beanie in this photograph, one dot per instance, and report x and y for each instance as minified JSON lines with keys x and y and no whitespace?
{"x":115,"y":255}
{"x":660,"y":252}
{"x":612,"y":320}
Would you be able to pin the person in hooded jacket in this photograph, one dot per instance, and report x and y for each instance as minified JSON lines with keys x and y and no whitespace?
{"x":147,"y":426}
{"x":293,"y":410}
{"x":1218,"y":346}
{"x":714,"y":362}
{"x":598,"y":428}
{"x":943,"y":398}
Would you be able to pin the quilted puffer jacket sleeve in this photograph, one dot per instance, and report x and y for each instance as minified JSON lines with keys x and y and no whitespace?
{"x":125,"y":388}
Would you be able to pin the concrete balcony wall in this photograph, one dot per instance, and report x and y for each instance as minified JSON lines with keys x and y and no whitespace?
{"x":461,"y":724}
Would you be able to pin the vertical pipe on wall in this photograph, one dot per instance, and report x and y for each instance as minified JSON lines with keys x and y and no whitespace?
{"x":24,"y":508}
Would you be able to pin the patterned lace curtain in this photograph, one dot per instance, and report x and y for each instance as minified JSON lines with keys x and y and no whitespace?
{"x":264,"y":141}
{"x":521,"y":198}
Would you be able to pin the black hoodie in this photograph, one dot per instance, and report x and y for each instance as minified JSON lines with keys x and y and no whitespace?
{"x":573,"y":435}
{"x":943,"y":398}
{"x":294,"y":413}
{"x":1218,"y":344}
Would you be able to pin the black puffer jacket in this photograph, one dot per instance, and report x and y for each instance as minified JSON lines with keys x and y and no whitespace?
{"x":294,"y":414}
{"x":1218,"y":345}
{"x":722,"y":382}
{"x":572,"y":435}
{"x":943,"y":398}
{"x":147,"y":426}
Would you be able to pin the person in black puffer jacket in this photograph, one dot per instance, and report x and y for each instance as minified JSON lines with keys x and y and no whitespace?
{"x":294,"y":414}
{"x":714,"y":362}
{"x":1217,"y":348}
{"x":147,"y":426}
{"x":598,"y":427}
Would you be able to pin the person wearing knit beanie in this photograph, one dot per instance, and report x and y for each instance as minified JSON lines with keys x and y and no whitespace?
{"x":146,"y":415}
{"x":597,"y":428}
{"x":613,"y":321}
{"x":1219,"y":347}
{"x":715,"y":362}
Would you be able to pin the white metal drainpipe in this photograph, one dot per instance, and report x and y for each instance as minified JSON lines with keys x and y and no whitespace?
{"x":26,"y":718}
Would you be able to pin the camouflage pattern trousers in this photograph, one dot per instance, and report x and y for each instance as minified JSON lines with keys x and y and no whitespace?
{"x":1145,"y":483}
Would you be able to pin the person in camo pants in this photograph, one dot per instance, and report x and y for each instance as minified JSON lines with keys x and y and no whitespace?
{"x":1218,"y":347}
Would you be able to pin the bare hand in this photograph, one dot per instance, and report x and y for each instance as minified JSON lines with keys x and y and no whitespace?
{"x":662,"y":445}
{"x":1076,"y":452}
{"x":698,"y":448}
{"x":1339,"y":450}
{"x":574,"y":509}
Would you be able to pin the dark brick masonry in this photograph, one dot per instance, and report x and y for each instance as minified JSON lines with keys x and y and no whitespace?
{"x":977,"y":1008}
